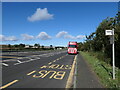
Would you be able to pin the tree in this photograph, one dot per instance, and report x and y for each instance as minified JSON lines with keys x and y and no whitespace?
{"x":9,"y":46}
{"x":21,"y":46}
{"x":42,"y":47}
{"x":16,"y":45}
{"x":99,"y":42}
{"x":51,"y":47}
{"x":37,"y":45}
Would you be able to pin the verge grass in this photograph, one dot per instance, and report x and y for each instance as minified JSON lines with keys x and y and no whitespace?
{"x":103,"y":71}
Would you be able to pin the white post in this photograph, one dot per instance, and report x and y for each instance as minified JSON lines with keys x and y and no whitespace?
{"x":113,"y":50}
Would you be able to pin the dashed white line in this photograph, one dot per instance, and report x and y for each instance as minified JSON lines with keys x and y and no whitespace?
{"x":5,"y":64}
{"x":19,"y":61}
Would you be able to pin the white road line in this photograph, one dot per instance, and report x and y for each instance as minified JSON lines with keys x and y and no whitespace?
{"x":5,"y":64}
{"x":37,"y":58}
{"x":26,"y":61}
{"x":20,"y":58}
{"x":8,"y":60}
{"x":19,"y":61}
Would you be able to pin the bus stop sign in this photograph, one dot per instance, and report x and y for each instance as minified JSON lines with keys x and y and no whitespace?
{"x":109,"y":32}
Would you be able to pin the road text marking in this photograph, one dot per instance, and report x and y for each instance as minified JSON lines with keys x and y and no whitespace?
{"x":53,"y":74}
{"x":57,"y":66}
{"x":31,"y":72}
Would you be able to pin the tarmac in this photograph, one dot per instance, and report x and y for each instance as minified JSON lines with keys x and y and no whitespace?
{"x":85,"y":76}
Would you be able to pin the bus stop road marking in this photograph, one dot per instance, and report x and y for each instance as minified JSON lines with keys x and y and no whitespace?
{"x":31,"y":73}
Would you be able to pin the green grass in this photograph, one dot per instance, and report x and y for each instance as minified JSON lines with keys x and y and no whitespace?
{"x":103,"y":71}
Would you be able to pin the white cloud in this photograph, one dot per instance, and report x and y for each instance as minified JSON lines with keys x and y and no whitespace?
{"x":10,"y":38}
{"x":2,"y":38}
{"x":43,"y":36}
{"x":65,"y":35}
{"x":80,"y":36}
{"x":61,"y":34}
{"x":27,"y":37}
{"x":69,"y":37}
{"x":40,"y":14}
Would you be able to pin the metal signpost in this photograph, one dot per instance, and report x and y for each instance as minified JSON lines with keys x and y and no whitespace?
{"x":111,"y":34}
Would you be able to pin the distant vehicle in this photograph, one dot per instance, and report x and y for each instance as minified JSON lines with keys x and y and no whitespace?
{"x":72,"y":48}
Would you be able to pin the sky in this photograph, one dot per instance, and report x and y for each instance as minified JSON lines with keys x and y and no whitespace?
{"x":52,"y":23}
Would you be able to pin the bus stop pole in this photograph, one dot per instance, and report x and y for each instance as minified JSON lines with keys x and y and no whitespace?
{"x":113,"y":50}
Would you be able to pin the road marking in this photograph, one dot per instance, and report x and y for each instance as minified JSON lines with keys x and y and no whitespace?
{"x":20,"y":58}
{"x":60,"y":75}
{"x":48,"y":73}
{"x":70,"y":78}
{"x":9,"y":84}
{"x":57,"y":66}
{"x":54,"y":61}
{"x":31,"y":72}
{"x":57,"y":59}
{"x":5,"y":64}
{"x":26,"y":61}
{"x":75,"y":75}
{"x":53,"y":74}
{"x":50,"y":63}
{"x":8,"y":60}
{"x":37,"y":58}
{"x":43,"y":66}
{"x":19,"y":61}
{"x":41,"y":74}
{"x":61,"y":67}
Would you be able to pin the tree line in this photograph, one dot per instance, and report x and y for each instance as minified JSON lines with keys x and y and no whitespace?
{"x":36,"y":46}
{"x":99,"y":42}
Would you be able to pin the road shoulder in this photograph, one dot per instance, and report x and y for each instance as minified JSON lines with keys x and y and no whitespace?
{"x":85,"y":77}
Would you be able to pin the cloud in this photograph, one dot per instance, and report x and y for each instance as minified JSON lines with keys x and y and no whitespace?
{"x":69,"y":37}
{"x":40,"y":14}
{"x":65,"y":35}
{"x":2,"y":38}
{"x":61,"y":34}
{"x":80,"y":36}
{"x":27,"y":37}
{"x":10,"y":38}
{"x":43,"y":36}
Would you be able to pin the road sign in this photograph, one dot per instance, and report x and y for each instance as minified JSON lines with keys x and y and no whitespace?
{"x":109,"y":32}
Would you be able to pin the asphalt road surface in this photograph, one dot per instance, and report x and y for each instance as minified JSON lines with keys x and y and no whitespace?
{"x":40,"y":69}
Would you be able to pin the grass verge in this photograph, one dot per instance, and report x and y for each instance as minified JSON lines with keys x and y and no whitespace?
{"x":103,"y":71}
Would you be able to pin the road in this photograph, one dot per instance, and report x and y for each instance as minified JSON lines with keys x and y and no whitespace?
{"x":40,"y":69}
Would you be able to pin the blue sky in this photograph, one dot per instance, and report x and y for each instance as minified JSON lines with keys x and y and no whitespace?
{"x":50,"y":23}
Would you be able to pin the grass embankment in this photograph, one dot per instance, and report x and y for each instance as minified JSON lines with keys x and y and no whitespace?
{"x":103,"y":71}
